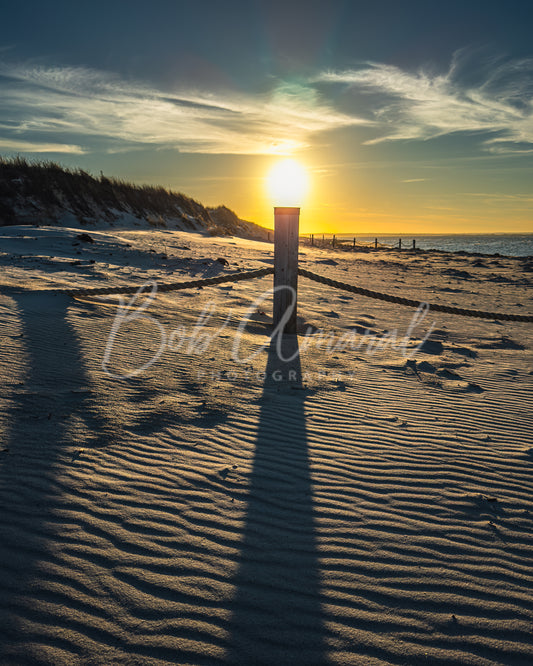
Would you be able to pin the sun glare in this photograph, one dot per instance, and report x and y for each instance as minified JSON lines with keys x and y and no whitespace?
{"x":287,"y":183}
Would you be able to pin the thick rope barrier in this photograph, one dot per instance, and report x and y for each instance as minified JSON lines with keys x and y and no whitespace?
{"x":172,"y":286}
{"x":250,"y":275}
{"x":410,"y":302}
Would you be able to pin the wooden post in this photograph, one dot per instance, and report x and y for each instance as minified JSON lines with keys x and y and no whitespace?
{"x":375,"y":243}
{"x":414,"y":244}
{"x":333,"y":241}
{"x":312,"y":239}
{"x":354,"y":242}
{"x":286,"y":222}
{"x":400,"y":244}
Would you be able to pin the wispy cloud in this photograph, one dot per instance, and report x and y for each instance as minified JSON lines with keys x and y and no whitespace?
{"x":73,"y":110}
{"x":493,"y":96}
{"x":526,"y":200}
{"x":39,"y":147}
{"x":89,"y":105}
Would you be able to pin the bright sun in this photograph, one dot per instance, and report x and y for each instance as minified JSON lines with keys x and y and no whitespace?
{"x":287,"y":183}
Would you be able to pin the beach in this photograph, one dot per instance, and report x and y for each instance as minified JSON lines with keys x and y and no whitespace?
{"x":175,"y":492}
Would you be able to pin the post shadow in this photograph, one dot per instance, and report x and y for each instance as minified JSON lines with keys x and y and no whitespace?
{"x":56,"y":387}
{"x":277,"y":616}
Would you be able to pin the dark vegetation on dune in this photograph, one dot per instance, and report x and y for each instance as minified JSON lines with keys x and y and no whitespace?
{"x":47,"y":193}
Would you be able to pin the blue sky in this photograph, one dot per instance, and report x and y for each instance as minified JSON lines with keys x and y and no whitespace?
{"x":411,"y":116}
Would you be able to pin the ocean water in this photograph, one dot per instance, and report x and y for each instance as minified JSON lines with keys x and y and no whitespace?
{"x":517,"y":245}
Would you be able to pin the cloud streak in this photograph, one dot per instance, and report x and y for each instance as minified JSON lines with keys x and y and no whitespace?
{"x":493,"y":98}
{"x":88,"y":104}
{"x":36,"y":147}
{"x":78,"y":110}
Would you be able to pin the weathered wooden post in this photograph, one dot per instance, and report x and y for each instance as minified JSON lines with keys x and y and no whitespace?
{"x":354,"y":242}
{"x":414,"y":244}
{"x":312,"y":239}
{"x":286,"y":223}
{"x":400,"y":244}
{"x":375,"y":243}
{"x":333,"y":241}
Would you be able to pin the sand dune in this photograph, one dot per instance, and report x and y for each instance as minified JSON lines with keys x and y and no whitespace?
{"x":343,"y":507}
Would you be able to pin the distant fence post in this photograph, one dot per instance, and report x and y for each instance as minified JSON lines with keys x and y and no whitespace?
{"x":286,"y":223}
{"x":312,"y":239}
{"x":375,"y":243}
{"x":354,"y":242}
{"x":414,"y":244}
{"x":333,"y":241}
{"x":400,"y":244}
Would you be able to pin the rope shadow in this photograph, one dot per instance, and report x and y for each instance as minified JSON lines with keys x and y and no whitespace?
{"x":277,"y":615}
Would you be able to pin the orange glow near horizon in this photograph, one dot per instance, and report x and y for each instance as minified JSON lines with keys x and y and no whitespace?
{"x":372,"y":202}
{"x":368,"y":199}
{"x":339,"y":217}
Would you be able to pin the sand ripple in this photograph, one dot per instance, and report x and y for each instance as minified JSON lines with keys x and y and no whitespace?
{"x":382,"y":519}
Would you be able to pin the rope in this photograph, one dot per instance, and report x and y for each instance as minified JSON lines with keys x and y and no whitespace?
{"x":172,"y":286}
{"x":250,"y":275}
{"x":412,"y":303}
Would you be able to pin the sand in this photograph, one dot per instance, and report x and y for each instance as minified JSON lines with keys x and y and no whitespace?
{"x":366,"y":504}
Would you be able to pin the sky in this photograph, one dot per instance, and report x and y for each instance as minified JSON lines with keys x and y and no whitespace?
{"x":410,"y":117}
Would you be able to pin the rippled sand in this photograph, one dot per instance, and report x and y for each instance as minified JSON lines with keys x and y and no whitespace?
{"x":370,"y":504}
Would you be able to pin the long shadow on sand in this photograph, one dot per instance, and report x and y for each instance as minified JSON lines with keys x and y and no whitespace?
{"x":277,"y":617}
{"x":52,"y":412}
